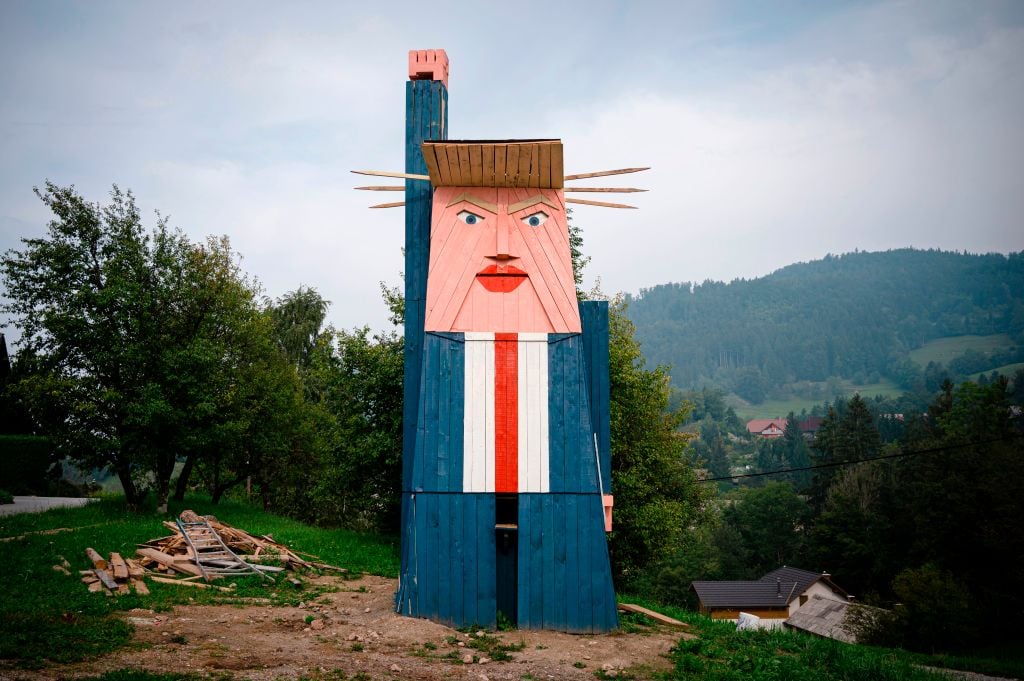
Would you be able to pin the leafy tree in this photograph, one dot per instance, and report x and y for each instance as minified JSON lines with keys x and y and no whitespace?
{"x":136,"y":335}
{"x":656,"y":494}
{"x":771,"y":522}
{"x":298,"y":318}
{"x":851,"y":437}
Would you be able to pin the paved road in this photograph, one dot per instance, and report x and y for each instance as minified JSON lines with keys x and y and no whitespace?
{"x":39,"y":504}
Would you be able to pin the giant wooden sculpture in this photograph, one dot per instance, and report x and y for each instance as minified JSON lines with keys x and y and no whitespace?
{"x":506,"y":480}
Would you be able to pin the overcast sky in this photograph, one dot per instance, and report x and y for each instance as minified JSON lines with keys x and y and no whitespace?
{"x":777,"y":131}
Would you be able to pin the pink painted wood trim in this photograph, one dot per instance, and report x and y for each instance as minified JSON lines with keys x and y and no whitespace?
{"x":428,"y":65}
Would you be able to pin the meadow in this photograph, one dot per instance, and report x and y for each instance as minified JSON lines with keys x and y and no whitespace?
{"x":47,"y":617}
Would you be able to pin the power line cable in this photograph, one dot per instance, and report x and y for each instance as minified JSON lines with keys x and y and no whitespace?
{"x":897,"y":455}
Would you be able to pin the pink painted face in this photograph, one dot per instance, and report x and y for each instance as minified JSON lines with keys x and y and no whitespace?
{"x":500,"y":261}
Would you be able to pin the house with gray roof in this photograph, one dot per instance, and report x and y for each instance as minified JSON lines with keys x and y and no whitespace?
{"x":774,"y":598}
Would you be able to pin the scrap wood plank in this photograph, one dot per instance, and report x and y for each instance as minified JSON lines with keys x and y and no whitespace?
{"x":656,"y":616}
{"x":140,"y":587}
{"x":97,"y":560}
{"x":107,"y":580}
{"x":119,"y":566}
{"x":182,"y":582}
{"x":168,"y":561}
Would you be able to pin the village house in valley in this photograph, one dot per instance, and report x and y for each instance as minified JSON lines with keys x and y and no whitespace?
{"x":774,"y":598}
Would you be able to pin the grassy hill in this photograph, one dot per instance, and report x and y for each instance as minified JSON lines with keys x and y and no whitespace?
{"x":949,"y":348}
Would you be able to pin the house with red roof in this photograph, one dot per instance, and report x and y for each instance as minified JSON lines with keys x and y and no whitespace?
{"x":766,"y":428}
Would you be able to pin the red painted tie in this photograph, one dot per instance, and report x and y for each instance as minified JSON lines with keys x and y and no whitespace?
{"x":506,"y":412}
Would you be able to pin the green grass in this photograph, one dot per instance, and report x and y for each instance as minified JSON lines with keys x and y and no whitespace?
{"x":1007,"y":370}
{"x":944,"y":349}
{"x":48,"y":616}
{"x":779,"y":408}
{"x":720,"y":653}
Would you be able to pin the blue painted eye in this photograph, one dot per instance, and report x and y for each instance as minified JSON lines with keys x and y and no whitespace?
{"x":469,"y":218}
{"x":536,"y":219}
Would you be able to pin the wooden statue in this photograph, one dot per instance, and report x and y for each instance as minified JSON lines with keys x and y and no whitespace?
{"x":506,"y":488}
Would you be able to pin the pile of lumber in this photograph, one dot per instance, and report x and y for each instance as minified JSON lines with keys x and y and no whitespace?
{"x":113,"y":577}
{"x":170,"y":559}
{"x":172,"y":553}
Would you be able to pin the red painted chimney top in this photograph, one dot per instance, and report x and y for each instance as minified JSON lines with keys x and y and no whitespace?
{"x":428,"y":65}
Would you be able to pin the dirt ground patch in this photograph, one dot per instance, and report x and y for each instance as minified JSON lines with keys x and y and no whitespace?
{"x":355,"y":630}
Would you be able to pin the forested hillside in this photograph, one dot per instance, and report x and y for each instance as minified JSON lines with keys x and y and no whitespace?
{"x":856,"y":316}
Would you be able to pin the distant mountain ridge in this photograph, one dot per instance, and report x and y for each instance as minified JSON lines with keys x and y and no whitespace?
{"x":854,"y":316}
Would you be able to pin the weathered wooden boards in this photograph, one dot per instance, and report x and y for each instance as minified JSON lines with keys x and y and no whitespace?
{"x":170,"y":560}
{"x":504,"y":163}
{"x":114,"y":577}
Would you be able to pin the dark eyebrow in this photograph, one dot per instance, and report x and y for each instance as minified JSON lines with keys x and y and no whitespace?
{"x":533,"y":200}
{"x":480,"y":203}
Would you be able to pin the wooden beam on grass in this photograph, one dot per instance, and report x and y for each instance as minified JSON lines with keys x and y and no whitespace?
{"x":98,"y":561}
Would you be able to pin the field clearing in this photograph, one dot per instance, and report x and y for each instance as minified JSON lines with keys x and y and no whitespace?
{"x":1007,"y":370}
{"x":771,"y":409}
{"x":944,"y":349}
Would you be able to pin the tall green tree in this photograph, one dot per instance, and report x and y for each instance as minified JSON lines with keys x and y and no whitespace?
{"x":137,"y":335}
{"x":772,"y":522}
{"x":298,"y":320}
{"x":842,"y":439}
{"x":656,"y":492}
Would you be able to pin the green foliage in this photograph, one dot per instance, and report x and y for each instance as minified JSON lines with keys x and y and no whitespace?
{"x":6,"y":497}
{"x":850,"y":436}
{"x":356,"y":479}
{"x":656,"y":493}
{"x":298,"y":317}
{"x":770,"y":521}
{"x":138,"y":336}
{"x":855,"y":317}
{"x":25,"y":462}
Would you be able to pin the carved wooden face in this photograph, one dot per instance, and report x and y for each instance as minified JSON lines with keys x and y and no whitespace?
{"x":500,"y":261}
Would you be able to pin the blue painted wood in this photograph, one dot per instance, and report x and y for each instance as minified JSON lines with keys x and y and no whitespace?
{"x":559,"y":619}
{"x":457,"y":399}
{"x":594,"y":315}
{"x":572,"y":461}
{"x":526,"y":578}
{"x":426,"y":117}
{"x":438,"y":449}
{"x":550,"y":597}
{"x":574,"y":618}
{"x":444,"y":560}
{"x":459,"y":560}
{"x":536,"y":506}
{"x":487,"y":607}
{"x":471,"y":574}
{"x":444,"y":424}
{"x":556,"y":417}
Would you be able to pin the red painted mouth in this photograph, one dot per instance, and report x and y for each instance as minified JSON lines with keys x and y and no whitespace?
{"x":501,"y":278}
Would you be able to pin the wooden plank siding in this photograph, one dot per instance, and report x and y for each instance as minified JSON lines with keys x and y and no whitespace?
{"x":564,"y":574}
{"x":594,"y":314}
{"x":482,"y":163}
{"x":425,"y":118}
